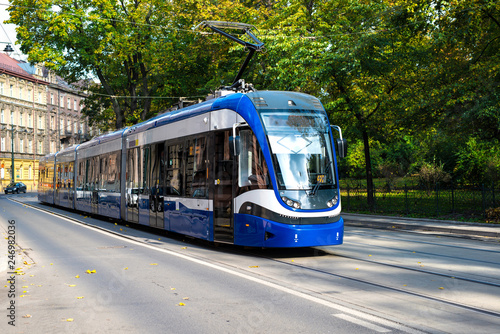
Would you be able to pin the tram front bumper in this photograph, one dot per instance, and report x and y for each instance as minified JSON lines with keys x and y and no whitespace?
{"x":258,"y":232}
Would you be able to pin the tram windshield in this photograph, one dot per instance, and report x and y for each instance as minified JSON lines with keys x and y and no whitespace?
{"x":301,"y":149}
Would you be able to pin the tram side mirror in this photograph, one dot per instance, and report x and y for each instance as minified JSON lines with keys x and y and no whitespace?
{"x":234,"y":145}
{"x":341,"y":147}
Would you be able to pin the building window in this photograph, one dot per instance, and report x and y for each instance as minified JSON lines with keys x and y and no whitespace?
{"x":12,"y":118}
{"x":40,"y":147}
{"x":30,"y":146}
{"x":39,"y":97}
{"x":30,"y":173}
{"x":52,"y":122}
{"x":3,"y":144}
{"x":40,"y":122}
{"x":1,"y":88}
{"x":52,"y":147}
{"x":11,"y":90}
{"x":75,"y":105}
{"x":21,"y":145}
{"x":61,"y":126}
{"x":20,"y":93}
{"x":51,"y":98}
{"x":21,"y":119}
{"x":30,"y":121}
{"x":2,"y":119}
{"x":29,"y":95}
{"x":69,"y":103}
{"x":61,"y":101}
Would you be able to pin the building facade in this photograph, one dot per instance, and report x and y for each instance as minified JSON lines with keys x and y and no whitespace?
{"x":39,"y":114}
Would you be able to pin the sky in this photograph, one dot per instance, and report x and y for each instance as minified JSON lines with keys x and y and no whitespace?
{"x":8,"y":32}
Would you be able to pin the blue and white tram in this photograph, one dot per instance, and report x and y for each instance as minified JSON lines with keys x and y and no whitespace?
{"x":255,"y":169}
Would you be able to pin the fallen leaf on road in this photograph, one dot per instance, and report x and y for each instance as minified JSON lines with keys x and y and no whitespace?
{"x":27,"y":316}
{"x":69,"y":319}
{"x":90,"y":271}
{"x":182,"y":304}
{"x":80,"y":297}
{"x":153,"y":264}
{"x":253,"y":266}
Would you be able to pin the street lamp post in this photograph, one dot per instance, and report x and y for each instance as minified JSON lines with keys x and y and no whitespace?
{"x":8,"y":50}
{"x":13,"y":175}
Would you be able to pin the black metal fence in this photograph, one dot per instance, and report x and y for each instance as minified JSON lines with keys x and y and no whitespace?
{"x":439,"y":201}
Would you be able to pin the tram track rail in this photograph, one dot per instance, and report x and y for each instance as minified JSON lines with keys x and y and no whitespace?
{"x":393,"y":288}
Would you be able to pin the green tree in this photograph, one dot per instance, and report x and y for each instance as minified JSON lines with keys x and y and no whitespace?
{"x":141,"y":52}
{"x":365,"y":60}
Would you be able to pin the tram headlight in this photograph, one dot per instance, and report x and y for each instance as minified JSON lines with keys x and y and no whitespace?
{"x":333,"y":201}
{"x":291,"y":203}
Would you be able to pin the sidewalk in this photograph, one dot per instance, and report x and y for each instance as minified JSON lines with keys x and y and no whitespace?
{"x":422,"y":224}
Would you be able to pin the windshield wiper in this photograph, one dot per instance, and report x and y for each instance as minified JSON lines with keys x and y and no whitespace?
{"x":316,"y":186}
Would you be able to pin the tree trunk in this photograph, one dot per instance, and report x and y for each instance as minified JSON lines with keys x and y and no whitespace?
{"x":368,"y":168}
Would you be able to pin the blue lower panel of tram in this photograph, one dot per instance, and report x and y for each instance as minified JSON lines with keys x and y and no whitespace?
{"x":258,"y":232}
{"x":195,"y":223}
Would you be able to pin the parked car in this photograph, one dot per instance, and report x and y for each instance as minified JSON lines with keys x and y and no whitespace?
{"x":15,"y":187}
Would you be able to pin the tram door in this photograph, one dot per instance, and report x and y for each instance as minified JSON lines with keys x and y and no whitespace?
{"x":156,"y":179}
{"x":132,"y":186}
{"x":223,"y":189}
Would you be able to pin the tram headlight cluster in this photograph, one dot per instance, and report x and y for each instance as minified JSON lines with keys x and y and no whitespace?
{"x":333,"y":201}
{"x":290,"y":202}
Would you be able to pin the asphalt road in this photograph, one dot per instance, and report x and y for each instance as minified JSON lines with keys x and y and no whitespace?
{"x":377,"y":281}
{"x":72,"y":278}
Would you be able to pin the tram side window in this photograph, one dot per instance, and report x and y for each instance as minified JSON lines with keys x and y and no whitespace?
{"x":94,"y":165}
{"x":252,"y":168}
{"x":144,"y":168}
{"x":58,"y":176}
{"x":174,"y":170}
{"x":79,"y":177}
{"x":133,"y":179}
{"x":112,"y":171}
{"x":102,"y":172}
{"x":70,"y":175}
{"x":50,"y":175}
{"x":196,"y":168}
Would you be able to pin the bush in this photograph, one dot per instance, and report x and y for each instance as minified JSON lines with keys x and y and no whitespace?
{"x":478,"y":162}
{"x":430,"y":174}
{"x":493,"y":215}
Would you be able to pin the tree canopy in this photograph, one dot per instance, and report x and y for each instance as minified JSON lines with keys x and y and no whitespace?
{"x":414,"y":81}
